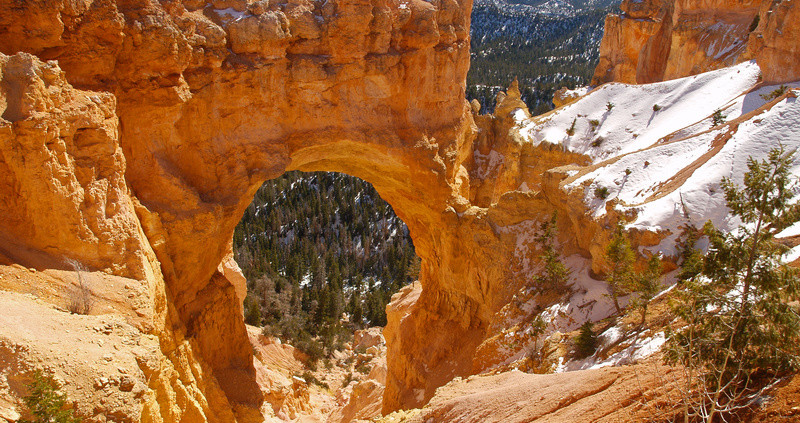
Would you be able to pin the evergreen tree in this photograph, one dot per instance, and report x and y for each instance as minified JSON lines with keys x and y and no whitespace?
{"x":554,"y":275}
{"x":621,"y":258}
{"x":691,"y":257}
{"x":646,"y":285}
{"x":586,"y":342}
{"x":45,"y":403}
{"x":332,"y":232}
{"x":739,"y":321}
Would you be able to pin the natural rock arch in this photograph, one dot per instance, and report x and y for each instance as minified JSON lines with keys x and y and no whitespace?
{"x":214,"y":99}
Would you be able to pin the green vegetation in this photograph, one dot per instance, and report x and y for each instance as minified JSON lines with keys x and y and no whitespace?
{"x":318,"y":247}
{"x":646,"y":285}
{"x":586,"y":341}
{"x":609,"y":106}
{"x":620,"y":257}
{"x":45,"y":403}
{"x":656,"y":107}
{"x":691,"y":257}
{"x":718,"y":118}
{"x":777,"y":92}
{"x":544,"y":52}
{"x":601,"y":193}
{"x":571,"y":130}
{"x":554,"y":275}
{"x":741,"y":330}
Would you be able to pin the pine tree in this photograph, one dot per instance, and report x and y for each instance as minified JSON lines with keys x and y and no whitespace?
{"x":646,"y":285}
{"x":739,"y":322}
{"x":621,"y":258}
{"x":691,"y":257}
{"x":45,"y":403}
{"x":586,"y":342}
{"x":554,"y":275}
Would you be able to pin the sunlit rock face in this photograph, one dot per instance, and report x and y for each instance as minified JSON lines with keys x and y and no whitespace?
{"x":199,"y":103}
{"x":656,"y":40}
{"x":137,"y":149}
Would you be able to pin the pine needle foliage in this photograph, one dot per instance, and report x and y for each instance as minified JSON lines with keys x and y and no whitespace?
{"x":586,"y":342}
{"x":646,"y":285}
{"x":45,"y":403}
{"x":740,"y":327}
{"x":554,"y":275}
{"x":621,"y":257}
{"x":691,"y":257}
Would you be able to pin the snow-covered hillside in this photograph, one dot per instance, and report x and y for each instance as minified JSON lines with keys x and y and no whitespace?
{"x":659,"y":152}
{"x":661,"y":149}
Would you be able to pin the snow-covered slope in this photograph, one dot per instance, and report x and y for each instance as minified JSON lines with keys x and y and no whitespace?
{"x":661,"y":166}
{"x":658,"y":150}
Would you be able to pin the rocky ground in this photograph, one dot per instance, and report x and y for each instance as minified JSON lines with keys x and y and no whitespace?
{"x":98,"y":358}
{"x":101,"y":359}
{"x":345,"y":388}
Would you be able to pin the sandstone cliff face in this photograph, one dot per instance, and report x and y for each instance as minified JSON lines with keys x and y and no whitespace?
{"x":656,"y":40}
{"x":214,"y":98}
{"x":774,"y":44}
{"x":195,"y":104}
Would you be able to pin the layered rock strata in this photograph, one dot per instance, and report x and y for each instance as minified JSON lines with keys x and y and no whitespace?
{"x":137,"y":149}
{"x":656,"y":40}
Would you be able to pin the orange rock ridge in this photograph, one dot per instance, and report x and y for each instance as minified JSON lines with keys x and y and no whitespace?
{"x":657,"y":40}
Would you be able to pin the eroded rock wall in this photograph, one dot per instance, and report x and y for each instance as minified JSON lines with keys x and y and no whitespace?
{"x":212,"y":99}
{"x":656,"y":40}
{"x":775,"y":42}
{"x":197,"y":103}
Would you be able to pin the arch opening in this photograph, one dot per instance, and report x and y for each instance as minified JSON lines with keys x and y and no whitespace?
{"x":322,"y":253}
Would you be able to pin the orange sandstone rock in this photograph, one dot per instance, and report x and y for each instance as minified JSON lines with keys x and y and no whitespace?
{"x":775,"y":42}
{"x":656,"y":40}
{"x":198,"y":103}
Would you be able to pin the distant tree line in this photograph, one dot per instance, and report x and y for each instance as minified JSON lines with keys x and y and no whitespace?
{"x":322,"y":254}
{"x":545,"y":52}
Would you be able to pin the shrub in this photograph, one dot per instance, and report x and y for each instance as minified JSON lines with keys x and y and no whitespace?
{"x":595,"y":123}
{"x":554,"y":275}
{"x":347,"y":379}
{"x":45,"y":403}
{"x":310,"y":378}
{"x":656,"y":107}
{"x":571,"y":130}
{"x":646,"y":285}
{"x":627,"y":172}
{"x":741,"y":329}
{"x":363,"y":369}
{"x":777,"y":92}
{"x":621,"y":257}
{"x":252,"y":312}
{"x":609,"y":106}
{"x":718,"y":118}
{"x":601,"y":193}
{"x":586,"y":342}
{"x":80,"y":299}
